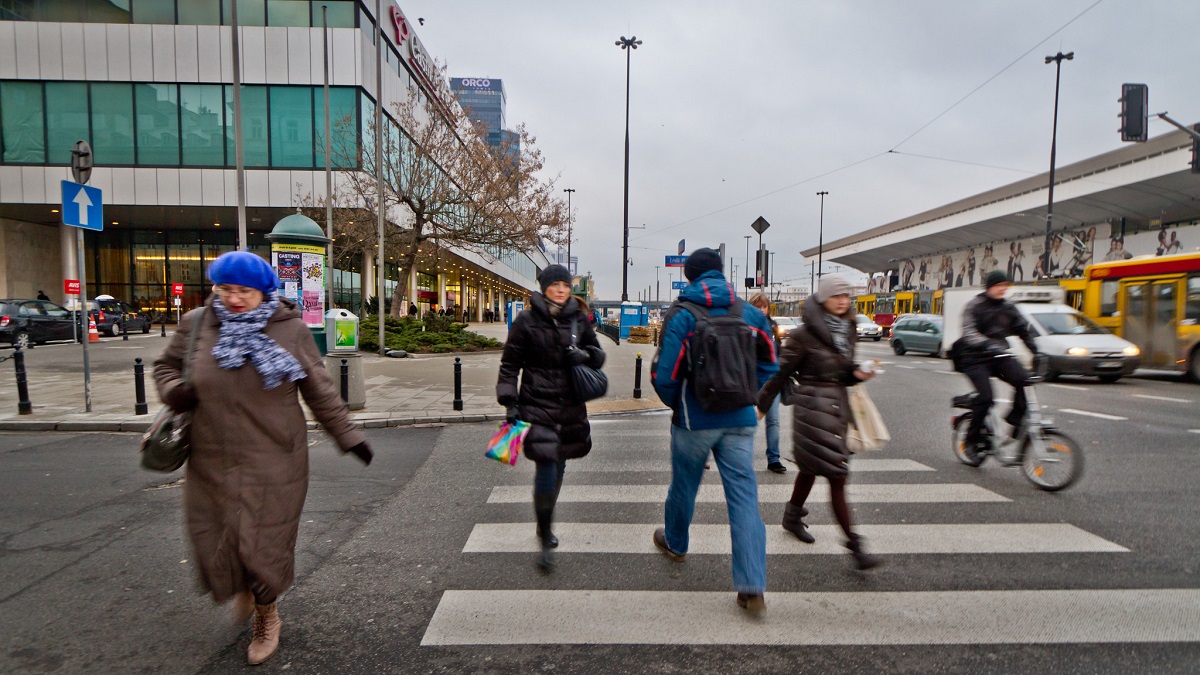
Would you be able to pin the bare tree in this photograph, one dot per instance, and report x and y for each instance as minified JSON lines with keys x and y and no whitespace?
{"x":444,"y":186}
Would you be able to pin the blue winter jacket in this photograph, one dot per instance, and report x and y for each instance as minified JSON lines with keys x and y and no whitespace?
{"x":670,"y":369}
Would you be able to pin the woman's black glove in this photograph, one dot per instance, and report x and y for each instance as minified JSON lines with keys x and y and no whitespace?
{"x":182,"y":398}
{"x":363,"y":452}
{"x":578,"y":356}
{"x":510,"y":414}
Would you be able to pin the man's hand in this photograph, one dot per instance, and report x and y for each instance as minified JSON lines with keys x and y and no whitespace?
{"x":761,"y":414}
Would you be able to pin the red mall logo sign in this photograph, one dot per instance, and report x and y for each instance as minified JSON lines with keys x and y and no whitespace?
{"x":176,"y":289}
{"x":420,"y":60}
{"x":71,"y":286}
{"x":400,"y":23}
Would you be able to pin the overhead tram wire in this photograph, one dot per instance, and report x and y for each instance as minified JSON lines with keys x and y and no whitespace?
{"x":897,"y":145}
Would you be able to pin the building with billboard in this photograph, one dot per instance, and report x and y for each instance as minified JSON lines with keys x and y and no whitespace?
{"x":149,"y":85}
{"x":485,"y":102}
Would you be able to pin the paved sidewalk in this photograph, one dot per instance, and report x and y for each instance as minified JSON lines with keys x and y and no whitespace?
{"x":415,"y":390}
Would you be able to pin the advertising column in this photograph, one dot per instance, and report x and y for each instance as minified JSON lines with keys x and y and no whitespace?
{"x":298,"y":256}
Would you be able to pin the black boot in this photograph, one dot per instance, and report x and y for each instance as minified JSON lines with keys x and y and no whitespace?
{"x":792,"y":522}
{"x":552,"y":539}
{"x":862,"y":560}
{"x":543,"y":507}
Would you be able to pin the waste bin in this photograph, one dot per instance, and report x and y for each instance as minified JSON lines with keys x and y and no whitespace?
{"x":341,"y":331}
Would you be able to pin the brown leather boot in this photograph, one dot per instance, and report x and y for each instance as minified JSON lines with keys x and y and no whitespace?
{"x":266,"y":633}
{"x":241,"y":607}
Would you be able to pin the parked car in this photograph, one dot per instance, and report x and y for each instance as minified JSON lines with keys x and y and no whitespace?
{"x":26,"y":322}
{"x":918,"y":333}
{"x":868,"y":329}
{"x":110,"y":313}
{"x":1075,"y":345}
{"x":785,"y":325}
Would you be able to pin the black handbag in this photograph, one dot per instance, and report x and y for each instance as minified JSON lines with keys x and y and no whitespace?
{"x":168,"y":442}
{"x":589,"y":383}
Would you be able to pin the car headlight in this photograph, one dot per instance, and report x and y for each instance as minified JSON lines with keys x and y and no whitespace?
{"x":1077,"y":351}
{"x":1131,"y":350}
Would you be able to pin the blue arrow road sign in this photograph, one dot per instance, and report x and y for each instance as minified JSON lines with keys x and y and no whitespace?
{"x":676,"y":260}
{"x":679,"y":285}
{"x":82,"y":206}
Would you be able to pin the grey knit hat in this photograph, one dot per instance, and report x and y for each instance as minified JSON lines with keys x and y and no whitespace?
{"x":832,"y":285}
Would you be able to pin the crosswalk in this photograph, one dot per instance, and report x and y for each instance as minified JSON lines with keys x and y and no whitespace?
{"x":609,"y":611}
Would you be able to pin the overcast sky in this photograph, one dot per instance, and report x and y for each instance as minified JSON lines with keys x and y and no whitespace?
{"x":748,"y":109}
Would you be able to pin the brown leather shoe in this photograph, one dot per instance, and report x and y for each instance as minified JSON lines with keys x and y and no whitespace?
{"x":752,"y":602}
{"x":266,"y":634}
{"x":660,"y":540}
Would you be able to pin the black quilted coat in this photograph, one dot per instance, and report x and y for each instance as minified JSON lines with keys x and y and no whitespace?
{"x":820,"y":406}
{"x":537,"y":350}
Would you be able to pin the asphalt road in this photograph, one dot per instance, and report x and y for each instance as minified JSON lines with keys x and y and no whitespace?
{"x":424,"y":561}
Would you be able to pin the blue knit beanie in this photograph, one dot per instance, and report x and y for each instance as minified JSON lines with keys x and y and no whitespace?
{"x":242,"y":268}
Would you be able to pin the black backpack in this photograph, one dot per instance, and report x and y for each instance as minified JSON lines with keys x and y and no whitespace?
{"x":722,"y":358}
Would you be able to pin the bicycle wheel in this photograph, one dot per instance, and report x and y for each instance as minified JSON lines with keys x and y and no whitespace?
{"x":1058,"y":466}
{"x":959,"y":441}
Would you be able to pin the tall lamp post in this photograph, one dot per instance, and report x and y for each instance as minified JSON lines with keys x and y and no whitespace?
{"x":747,"y":268}
{"x":570,"y":217}
{"x":657,"y":287}
{"x":821,"y":234}
{"x":628,"y":44}
{"x":1057,"y":59}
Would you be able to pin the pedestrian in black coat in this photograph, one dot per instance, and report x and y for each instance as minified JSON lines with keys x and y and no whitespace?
{"x":539,"y":349}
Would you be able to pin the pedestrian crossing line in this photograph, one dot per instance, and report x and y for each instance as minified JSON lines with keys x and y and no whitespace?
{"x":1172,"y":399}
{"x":1086,"y":413}
{"x":713,"y":539}
{"x":664,"y":465}
{"x":859,"y":493}
{"x":505,"y":617}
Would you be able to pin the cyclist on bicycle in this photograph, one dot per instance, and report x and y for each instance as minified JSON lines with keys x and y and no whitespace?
{"x":988,"y":320}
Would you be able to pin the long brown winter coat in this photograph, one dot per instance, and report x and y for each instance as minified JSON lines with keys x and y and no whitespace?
{"x":820,"y":405}
{"x":247,"y":475}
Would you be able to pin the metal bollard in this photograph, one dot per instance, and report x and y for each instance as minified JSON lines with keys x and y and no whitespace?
{"x":24,"y":406}
{"x":164,"y":327}
{"x":637,"y":377}
{"x":139,"y":388}
{"x":124,"y":331}
{"x":458,"y":402}
{"x":345,"y":381}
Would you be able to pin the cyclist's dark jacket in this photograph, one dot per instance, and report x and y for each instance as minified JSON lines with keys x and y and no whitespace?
{"x":985,"y":326}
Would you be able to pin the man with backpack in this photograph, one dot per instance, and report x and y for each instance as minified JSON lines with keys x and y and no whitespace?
{"x":716,"y":353}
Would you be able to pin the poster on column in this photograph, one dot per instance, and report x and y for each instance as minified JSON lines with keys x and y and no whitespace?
{"x":301,"y":270}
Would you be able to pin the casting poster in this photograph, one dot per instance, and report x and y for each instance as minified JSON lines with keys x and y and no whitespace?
{"x":301,"y":270}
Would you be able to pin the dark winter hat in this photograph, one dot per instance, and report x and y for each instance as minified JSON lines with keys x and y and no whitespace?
{"x":552,"y":274}
{"x":996,"y":277}
{"x":700,"y":261}
{"x":242,"y":268}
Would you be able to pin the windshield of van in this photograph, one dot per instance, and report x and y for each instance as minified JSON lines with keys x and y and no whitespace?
{"x":1063,"y":323}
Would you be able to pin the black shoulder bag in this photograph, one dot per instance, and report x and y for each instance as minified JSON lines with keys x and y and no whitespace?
{"x":589,"y":383}
{"x":168,"y":442}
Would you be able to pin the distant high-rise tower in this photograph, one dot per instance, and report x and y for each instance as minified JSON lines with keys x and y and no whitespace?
{"x":484,"y":101}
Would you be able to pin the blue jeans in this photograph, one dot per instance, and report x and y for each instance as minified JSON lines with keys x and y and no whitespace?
{"x":773,"y":432}
{"x":733,"y":449}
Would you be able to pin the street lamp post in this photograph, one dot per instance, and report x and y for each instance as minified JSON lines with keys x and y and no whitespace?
{"x":628,"y":44}
{"x":570,"y":217}
{"x":821,"y":234}
{"x":657,"y":286}
{"x":747,"y":268}
{"x":1057,"y":59}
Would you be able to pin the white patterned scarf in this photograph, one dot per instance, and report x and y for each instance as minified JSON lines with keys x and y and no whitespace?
{"x":242,"y":337}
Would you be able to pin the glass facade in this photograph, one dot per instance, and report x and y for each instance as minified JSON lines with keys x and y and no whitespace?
{"x":165,"y":125}
{"x":182,"y":12}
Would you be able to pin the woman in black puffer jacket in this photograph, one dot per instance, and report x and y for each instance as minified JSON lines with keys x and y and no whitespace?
{"x":820,"y":356}
{"x":539,"y":349}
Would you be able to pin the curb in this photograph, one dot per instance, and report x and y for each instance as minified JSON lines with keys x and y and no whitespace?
{"x":402,"y":421}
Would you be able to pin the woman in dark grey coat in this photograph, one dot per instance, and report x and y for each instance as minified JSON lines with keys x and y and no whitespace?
{"x":819,"y":355}
{"x":539,"y":349}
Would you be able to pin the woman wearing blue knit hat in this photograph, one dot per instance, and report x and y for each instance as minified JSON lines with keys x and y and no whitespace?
{"x":247,"y":474}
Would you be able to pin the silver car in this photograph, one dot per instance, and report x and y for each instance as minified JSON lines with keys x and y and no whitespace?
{"x":868,"y":329}
{"x":1075,"y":345}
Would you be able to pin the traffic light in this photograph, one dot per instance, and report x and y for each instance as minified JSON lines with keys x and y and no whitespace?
{"x":1135,"y":102}
{"x":1195,"y":150}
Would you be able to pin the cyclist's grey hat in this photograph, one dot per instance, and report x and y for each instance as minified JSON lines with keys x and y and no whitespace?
{"x":831,"y":286}
{"x":994,"y":278}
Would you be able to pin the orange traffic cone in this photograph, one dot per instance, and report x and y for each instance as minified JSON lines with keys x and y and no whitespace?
{"x":93,"y":334}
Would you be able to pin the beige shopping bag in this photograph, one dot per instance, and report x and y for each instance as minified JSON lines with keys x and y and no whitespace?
{"x":867,"y":431}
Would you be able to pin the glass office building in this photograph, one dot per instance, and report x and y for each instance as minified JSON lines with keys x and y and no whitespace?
{"x":148,"y":83}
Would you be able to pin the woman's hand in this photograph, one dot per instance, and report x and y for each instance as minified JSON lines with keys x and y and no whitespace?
{"x":182,"y":398}
{"x":363,"y":452}
{"x":862,"y":375}
{"x":761,"y":414}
